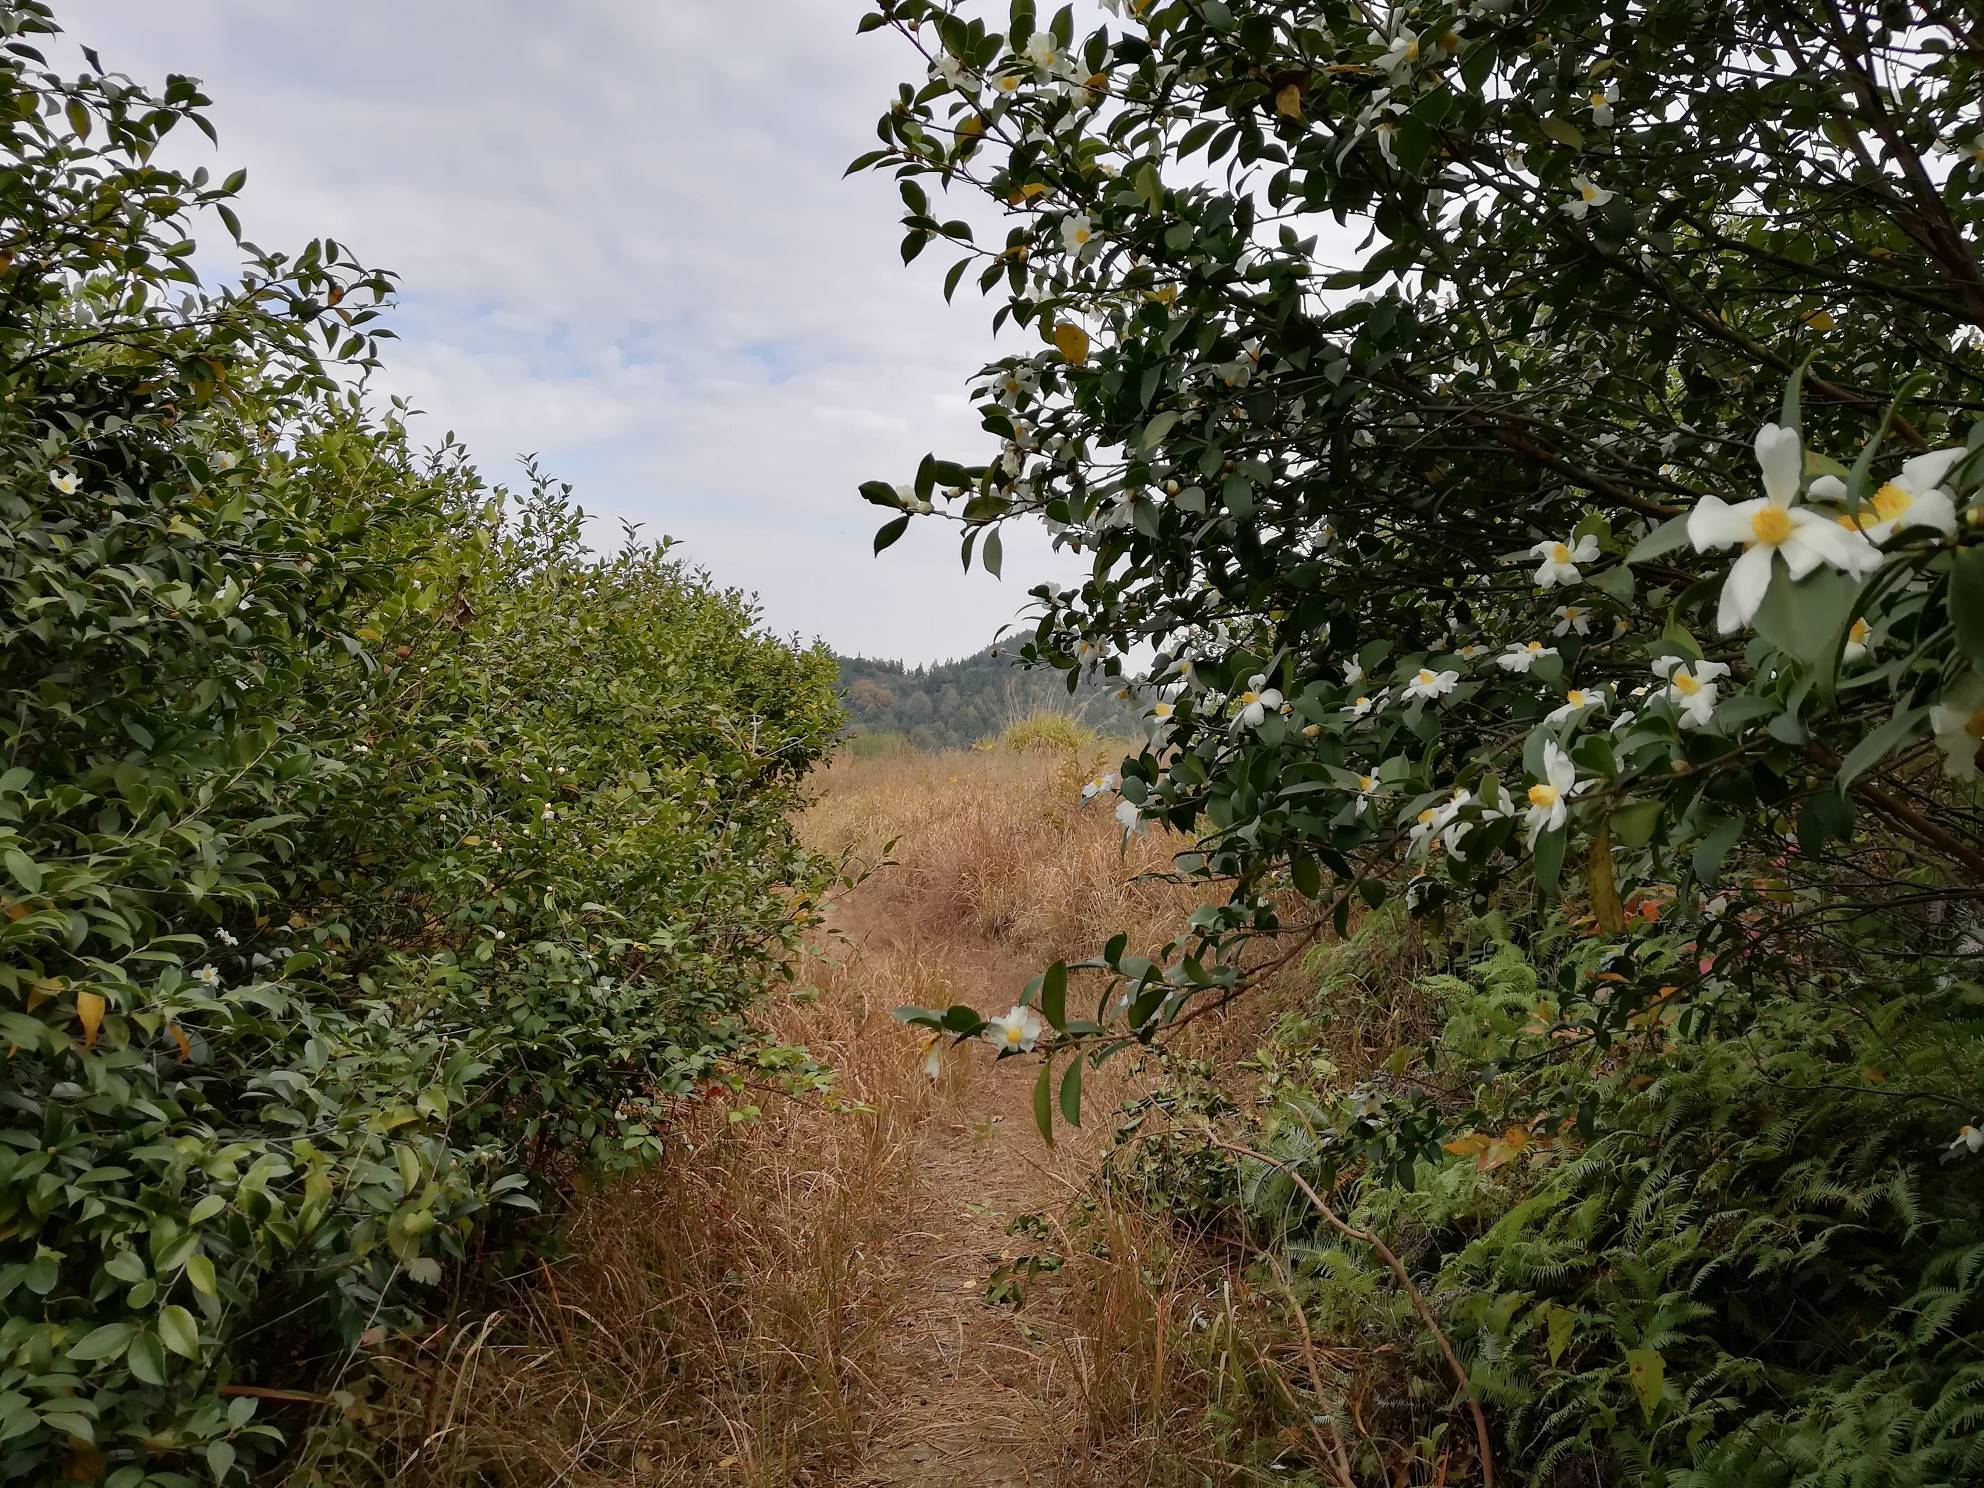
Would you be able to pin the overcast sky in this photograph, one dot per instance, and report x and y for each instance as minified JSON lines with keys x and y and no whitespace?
{"x":626,"y":245}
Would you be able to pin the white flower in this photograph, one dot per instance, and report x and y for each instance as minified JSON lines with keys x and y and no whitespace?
{"x":1424,"y":826}
{"x":954,"y":73}
{"x":1602,"y":100}
{"x":222,"y":460}
{"x":1470,"y":651}
{"x":1561,"y":560}
{"x":1077,"y":233}
{"x":1129,"y":818}
{"x":1044,"y":52}
{"x":1521,"y":657}
{"x":1352,"y":674}
{"x":1549,"y":801}
{"x":1691,"y":687}
{"x":1577,"y":702}
{"x":1767,"y":525}
{"x":1256,"y":703}
{"x":1969,"y":1138}
{"x":1430,"y":684}
{"x":1365,"y":1103}
{"x":1364,"y":707}
{"x":1401,"y":50}
{"x":206,"y":976}
{"x":1367,"y":787}
{"x":1624,"y":721}
{"x":1452,"y":826}
{"x":64,"y":481}
{"x":1101,"y":785}
{"x":1859,"y":642}
{"x":1387,"y":137}
{"x":1958,"y":724}
{"x":1570,"y":618}
{"x":1015,"y":1033}
{"x":1588,"y":196}
{"x":909,"y":501}
{"x":1914,"y":498}
{"x":225,"y":938}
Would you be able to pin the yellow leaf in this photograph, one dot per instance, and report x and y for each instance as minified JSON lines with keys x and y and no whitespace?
{"x":1820,"y":320}
{"x":1604,"y":888}
{"x":89,"y":1011}
{"x":1468,"y":1144}
{"x":1073,"y":343}
{"x":1288,"y":102}
{"x":179,"y":1038}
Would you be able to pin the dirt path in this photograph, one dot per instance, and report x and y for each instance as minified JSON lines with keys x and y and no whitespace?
{"x":965,"y":1382}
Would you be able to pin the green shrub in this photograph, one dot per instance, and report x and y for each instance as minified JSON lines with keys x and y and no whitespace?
{"x":372,"y":857}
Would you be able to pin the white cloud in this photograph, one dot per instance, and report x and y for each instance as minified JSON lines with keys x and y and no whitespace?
{"x":626,"y":246}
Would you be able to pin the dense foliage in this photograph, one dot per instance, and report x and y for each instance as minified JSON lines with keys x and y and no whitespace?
{"x":956,"y":704}
{"x":1598,"y":528}
{"x":373,"y":858}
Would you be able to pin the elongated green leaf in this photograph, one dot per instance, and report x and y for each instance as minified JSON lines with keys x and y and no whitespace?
{"x":1043,"y":1101}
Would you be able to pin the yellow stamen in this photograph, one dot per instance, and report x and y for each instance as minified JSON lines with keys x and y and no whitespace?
{"x":1250,"y":697}
{"x":1365,"y":782}
{"x":1560,"y":553}
{"x":1575,"y":697}
{"x":1426,"y":816}
{"x":1588,"y":191}
{"x":1684,"y":682}
{"x":1772,"y":525}
{"x":1424,"y":678}
{"x":1543,"y":795}
{"x":1858,"y":634}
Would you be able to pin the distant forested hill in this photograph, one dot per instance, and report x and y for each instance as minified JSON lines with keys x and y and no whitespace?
{"x":955,"y":704}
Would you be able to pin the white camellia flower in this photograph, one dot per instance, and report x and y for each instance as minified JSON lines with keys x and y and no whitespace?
{"x":1256,"y":703}
{"x":1365,"y":1103}
{"x":1364,"y":707}
{"x":1769,"y":524}
{"x":1424,"y":826}
{"x":1101,"y":785}
{"x":1570,"y":618}
{"x":1914,"y":498}
{"x":1129,"y":819}
{"x":1077,"y":233}
{"x":1453,"y":827}
{"x":909,"y":501}
{"x":225,"y":938}
{"x":1549,"y":800}
{"x":1588,"y":196}
{"x":1044,"y":52}
{"x":1577,"y":703}
{"x":1691,"y":687}
{"x":1015,"y":1033}
{"x":222,"y":460}
{"x":206,"y":976}
{"x":1859,"y":642}
{"x":1958,"y":724}
{"x":1969,"y":1138}
{"x":1602,"y":100}
{"x":1401,"y":50}
{"x":1367,"y":787}
{"x":1430,"y":684}
{"x":1561,"y":560}
{"x":1352,"y":674}
{"x":65,"y":481}
{"x":1470,"y":651}
{"x":1521,"y":656}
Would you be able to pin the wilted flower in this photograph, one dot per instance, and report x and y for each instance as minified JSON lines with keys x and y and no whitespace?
{"x":1969,"y":1138}
{"x":1129,"y":818}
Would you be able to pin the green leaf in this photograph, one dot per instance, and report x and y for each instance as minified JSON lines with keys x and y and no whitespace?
{"x":1967,"y":603}
{"x":1714,"y":847}
{"x":891,"y":531}
{"x":1308,"y":875}
{"x":107,"y":1342}
{"x":1803,"y":619}
{"x":1549,"y":863}
{"x":1633,"y":824}
{"x":146,"y":1359}
{"x":200,"y":1271}
{"x":1880,"y":743}
{"x":26,"y":872}
{"x":1558,"y":1320}
{"x":1054,"y":996}
{"x":1664,"y":539}
{"x":993,"y":554}
{"x":1071,"y":1092}
{"x":1043,"y":1101}
{"x":181,"y":1334}
{"x":1564,"y":132}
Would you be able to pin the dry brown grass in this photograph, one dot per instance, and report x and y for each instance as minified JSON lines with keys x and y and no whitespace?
{"x":764,"y":1310}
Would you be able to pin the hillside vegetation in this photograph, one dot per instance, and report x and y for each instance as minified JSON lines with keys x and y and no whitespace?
{"x":956,"y":704}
